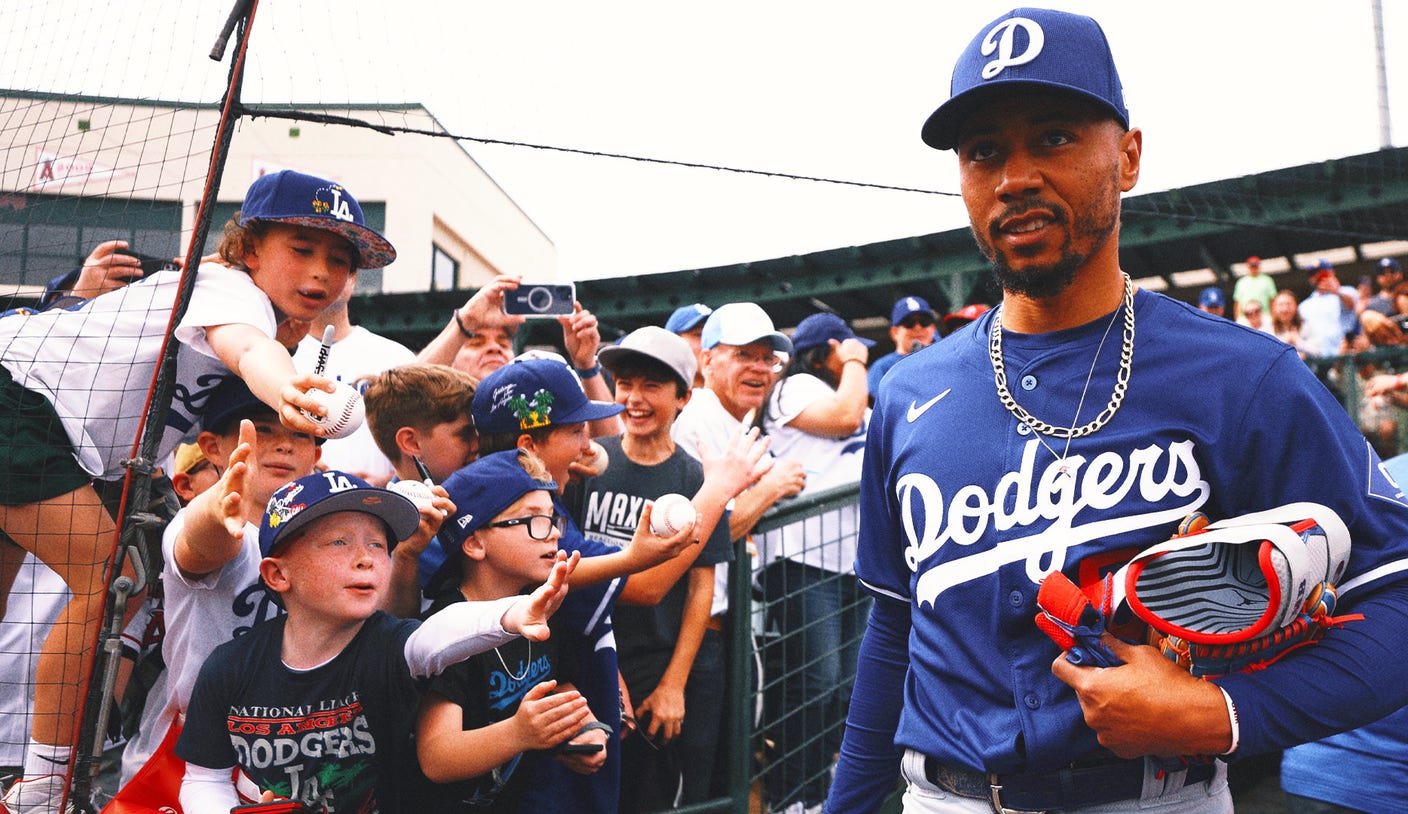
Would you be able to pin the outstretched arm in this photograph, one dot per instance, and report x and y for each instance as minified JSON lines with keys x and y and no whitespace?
{"x":214,"y":523}
{"x":483,"y":310}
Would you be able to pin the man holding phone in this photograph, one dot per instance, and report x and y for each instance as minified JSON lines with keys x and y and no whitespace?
{"x":478,"y":339}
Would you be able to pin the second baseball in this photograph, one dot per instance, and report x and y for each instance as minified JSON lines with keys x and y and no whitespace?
{"x":415,"y":491}
{"x":671,"y":513}
{"x":345,"y":410}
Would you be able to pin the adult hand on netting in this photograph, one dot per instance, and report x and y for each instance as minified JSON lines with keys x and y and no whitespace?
{"x":106,"y":269}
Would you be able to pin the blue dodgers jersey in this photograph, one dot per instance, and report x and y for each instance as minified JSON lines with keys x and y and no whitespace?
{"x":964,"y":509}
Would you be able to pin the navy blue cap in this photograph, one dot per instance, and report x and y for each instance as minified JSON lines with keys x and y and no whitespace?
{"x":1211,"y":297}
{"x":1389,"y":264}
{"x":906,"y":307}
{"x":306,"y":200}
{"x":687,"y":318}
{"x":1029,"y":47}
{"x":480,"y":492}
{"x":231,"y":397}
{"x":299,"y":503}
{"x":529,"y":393}
{"x":819,"y":329}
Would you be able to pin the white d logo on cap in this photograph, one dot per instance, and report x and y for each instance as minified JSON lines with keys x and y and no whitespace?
{"x":1000,"y":39}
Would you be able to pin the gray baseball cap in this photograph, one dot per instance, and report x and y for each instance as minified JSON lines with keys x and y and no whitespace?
{"x":658,"y":344}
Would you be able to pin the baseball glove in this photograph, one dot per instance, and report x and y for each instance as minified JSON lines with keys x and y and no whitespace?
{"x":1219,"y":598}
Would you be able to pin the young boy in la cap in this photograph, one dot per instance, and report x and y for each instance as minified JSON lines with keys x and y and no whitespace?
{"x":317,"y":705}
{"x":210,"y":574}
{"x":78,"y":379}
{"x":1068,"y":429}
{"x":671,"y":659}
{"x":487,"y":724}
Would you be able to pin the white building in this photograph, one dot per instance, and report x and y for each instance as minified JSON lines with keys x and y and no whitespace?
{"x":76,"y":170}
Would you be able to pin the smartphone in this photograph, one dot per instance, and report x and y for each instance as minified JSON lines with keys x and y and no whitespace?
{"x":149,"y":263}
{"x":541,"y":299}
{"x":274,"y":807}
{"x":578,"y":748}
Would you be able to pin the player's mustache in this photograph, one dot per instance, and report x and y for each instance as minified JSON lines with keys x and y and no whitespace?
{"x":1054,"y":210}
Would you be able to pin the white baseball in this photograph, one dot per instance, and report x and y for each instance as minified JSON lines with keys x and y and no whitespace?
{"x":596,"y":460}
{"x":671,"y":513}
{"x":345,"y":411}
{"x":415,"y":491}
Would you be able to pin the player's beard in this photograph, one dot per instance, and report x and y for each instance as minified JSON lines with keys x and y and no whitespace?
{"x":1086,"y":234}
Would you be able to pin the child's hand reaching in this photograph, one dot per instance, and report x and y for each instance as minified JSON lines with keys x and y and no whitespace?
{"x":649,"y":549}
{"x":739,"y":465}
{"x":528,"y":617}
{"x":233,"y":485}
{"x":294,"y":400}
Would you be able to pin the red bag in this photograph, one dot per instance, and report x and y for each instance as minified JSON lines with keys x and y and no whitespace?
{"x":156,"y":787}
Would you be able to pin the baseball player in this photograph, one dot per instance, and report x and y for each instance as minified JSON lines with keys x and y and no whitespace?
{"x":1064,"y":430}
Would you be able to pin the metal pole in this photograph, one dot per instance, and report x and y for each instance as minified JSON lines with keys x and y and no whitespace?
{"x":1385,"y":122}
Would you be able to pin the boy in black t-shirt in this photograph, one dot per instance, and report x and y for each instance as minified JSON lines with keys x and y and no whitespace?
{"x":316,"y":706}
{"x":487,"y":721}
{"x":671,"y":657}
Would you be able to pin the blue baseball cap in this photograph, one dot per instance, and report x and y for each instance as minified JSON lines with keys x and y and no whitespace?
{"x":529,"y":393}
{"x":819,"y":329}
{"x":320,"y":494}
{"x":1389,"y":264}
{"x":906,"y":307}
{"x":1029,"y":47}
{"x":307,"y":200}
{"x":742,"y":323}
{"x":480,"y":492}
{"x":687,"y":318}
{"x":1211,"y":297}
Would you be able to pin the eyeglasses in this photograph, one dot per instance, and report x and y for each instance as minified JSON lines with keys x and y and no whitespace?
{"x":770,"y":361}
{"x":540,"y":526}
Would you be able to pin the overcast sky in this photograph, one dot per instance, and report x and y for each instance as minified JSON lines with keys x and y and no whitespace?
{"x":826,"y":89}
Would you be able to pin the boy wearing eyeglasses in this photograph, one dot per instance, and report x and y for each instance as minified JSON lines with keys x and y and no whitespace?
{"x":486,"y":725}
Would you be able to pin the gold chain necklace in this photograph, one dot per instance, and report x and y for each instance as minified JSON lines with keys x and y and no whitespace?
{"x":1116,"y":398}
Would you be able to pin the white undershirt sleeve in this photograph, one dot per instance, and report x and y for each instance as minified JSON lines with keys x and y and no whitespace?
{"x":208,"y":791}
{"x":455,"y":633}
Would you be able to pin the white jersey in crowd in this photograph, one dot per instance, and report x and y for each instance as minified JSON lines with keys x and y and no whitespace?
{"x":200,"y":615}
{"x":95,"y":363}
{"x":826,"y":541}
{"x":360,"y":353}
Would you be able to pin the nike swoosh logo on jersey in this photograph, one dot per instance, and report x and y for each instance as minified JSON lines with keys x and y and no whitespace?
{"x":916,"y":410}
